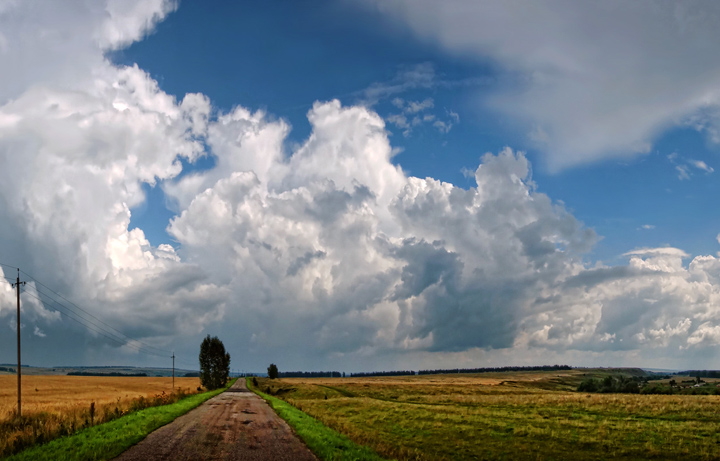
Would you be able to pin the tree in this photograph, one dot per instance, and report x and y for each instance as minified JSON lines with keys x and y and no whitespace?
{"x":588,"y":385}
{"x":214,"y":363}
{"x":272,"y":371}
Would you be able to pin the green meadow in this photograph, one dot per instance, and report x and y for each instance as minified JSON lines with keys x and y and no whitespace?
{"x":524,"y":415}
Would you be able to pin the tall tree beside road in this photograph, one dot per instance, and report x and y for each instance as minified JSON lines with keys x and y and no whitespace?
{"x":214,"y":363}
{"x":272,"y":371}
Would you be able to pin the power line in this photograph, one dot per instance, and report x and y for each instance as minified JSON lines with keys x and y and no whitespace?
{"x":91,"y":315}
{"x":88,"y":320}
{"x":121,"y":338}
{"x":95,"y":329}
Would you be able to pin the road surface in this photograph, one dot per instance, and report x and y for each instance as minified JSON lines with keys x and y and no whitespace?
{"x":235,"y":425}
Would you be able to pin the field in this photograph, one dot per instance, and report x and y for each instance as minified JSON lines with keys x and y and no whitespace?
{"x":59,"y":405}
{"x":506,"y":416}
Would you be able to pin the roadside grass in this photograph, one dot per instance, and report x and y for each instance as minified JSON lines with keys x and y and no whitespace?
{"x":106,"y":441}
{"x":326,"y":443}
{"x":528,"y":416}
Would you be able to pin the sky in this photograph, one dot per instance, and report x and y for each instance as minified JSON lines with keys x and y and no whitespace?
{"x":360,"y":185}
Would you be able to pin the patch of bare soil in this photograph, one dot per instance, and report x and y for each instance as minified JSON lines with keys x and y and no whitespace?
{"x":235,"y":425}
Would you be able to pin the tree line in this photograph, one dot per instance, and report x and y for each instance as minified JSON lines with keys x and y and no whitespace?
{"x":382,"y":373}
{"x":495,"y":369}
{"x":112,"y":374}
{"x":701,"y":373}
{"x":310,"y":374}
{"x":274,"y":373}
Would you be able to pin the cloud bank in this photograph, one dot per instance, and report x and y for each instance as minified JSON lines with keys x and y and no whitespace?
{"x":589,"y":80}
{"x":324,"y":254}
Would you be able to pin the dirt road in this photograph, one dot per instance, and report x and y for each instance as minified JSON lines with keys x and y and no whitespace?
{"x":235,"y":425}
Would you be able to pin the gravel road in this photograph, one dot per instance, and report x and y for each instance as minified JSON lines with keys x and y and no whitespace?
{"x":235,"y":425}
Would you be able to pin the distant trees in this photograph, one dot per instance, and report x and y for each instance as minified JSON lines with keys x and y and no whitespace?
{"x":214,"y":363}
{"x":382,"y":373}
{"x":700,"y":373}
{"x":112,"y":373}
{"x":309,"y":374}
{"x":494,"y":369}
{"x":611,"y":384}
{"x":272,"y":371}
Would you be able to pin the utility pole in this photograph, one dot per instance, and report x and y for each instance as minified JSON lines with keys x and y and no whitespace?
{"x":173,"y":357}
{"x":17,"y":285}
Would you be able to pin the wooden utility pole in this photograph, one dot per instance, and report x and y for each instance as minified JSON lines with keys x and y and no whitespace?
{"x":173,"y":357}
{"x":17,"y":285}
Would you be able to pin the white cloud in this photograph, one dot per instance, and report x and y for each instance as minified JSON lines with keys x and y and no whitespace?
{"x":683,"y":172}
{"x":414,"y":114}
{"x":78,"y":137}
{"x":329,"y":252}
{"x":666,"y":251}
{"x":419,"y":76}
{"x":354,"y":266}
{"x":684,"y":166}
{"x":700,"y":165}
{"x":413,"y":107}
{"x":598,"y":79}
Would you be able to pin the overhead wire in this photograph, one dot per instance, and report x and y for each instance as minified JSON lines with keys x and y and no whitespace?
{"x":8,"y":265}
{"x":92,"y":323}
{"x":91,"y":315}
{"x":88,"y":320}
{"x":119,"y":340}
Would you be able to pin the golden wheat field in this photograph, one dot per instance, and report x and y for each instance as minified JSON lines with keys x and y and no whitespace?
{"x":57,"y":394}
{"x":55,"y":405}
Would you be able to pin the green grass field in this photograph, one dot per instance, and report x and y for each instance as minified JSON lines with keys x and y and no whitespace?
{"x":506,"y":416}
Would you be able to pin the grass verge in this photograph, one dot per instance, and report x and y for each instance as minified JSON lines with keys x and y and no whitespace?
{"x":327,"y":444}
{"x":106,"y":441}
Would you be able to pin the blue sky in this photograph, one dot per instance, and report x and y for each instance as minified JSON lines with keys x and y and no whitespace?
{"x":363,"y":184}
{"x":282,"y":56}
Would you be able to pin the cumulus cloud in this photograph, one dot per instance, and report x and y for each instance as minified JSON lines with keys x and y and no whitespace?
{"x":338,"y":247}
{"x":589,"y":80}
{"x":78,"y":138}
{"x":343,"y":239}
{"x":656,"y":302}
{"x":321,"y":253}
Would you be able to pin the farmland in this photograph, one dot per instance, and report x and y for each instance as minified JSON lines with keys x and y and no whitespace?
{"x":520,"y":415}
{"x":58,"y":405}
